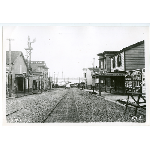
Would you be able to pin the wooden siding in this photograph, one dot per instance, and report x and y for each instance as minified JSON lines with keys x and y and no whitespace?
{"x":135,"y":58}
{"x":16,"y":68}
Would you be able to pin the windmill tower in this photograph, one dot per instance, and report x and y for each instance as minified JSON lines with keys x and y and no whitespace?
{"x":28,"y":52}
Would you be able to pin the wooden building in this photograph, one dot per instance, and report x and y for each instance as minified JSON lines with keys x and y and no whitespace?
{"x":19,"y":72}
{"x":87,"y":77}
{"x":40,"y":70}
{"x":127,"y":59}
{"x":105,"y":67}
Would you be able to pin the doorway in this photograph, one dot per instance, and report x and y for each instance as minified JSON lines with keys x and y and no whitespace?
{"x":20,"y":83}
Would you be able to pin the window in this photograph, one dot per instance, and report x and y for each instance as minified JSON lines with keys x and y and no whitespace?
{"x":104,"y":63}
{"x":113,"y":62}
{"x":101,"y":64}
{"x":84,"y":75}
{"x":119,"y":60}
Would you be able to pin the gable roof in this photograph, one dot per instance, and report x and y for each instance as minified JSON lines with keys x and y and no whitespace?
{"x":14,"y":56}
{"x":129,"y":47}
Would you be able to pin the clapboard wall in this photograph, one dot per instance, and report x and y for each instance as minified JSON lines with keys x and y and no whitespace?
{"x":135,"y":58}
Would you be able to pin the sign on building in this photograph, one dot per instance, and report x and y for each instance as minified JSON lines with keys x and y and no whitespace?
{"x":143,"y":81}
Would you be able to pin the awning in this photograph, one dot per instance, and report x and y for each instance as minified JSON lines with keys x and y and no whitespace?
{"x":113,"y":74}
{"x":110,"y":74}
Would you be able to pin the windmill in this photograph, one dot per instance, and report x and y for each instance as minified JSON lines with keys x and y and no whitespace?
{"x":28,"y":52}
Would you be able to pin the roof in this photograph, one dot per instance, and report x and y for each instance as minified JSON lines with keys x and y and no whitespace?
{"x":107,"y":52}
{"x":95,"y":69}
{"x":34,"y":66}
{"x":14,"y":56}
{"x":129,"y":47}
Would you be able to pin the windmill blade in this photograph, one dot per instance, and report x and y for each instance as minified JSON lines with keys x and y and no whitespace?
{"x":34,"y":40}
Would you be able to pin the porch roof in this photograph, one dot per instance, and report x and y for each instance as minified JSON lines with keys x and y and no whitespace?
{"x":112,"y":74}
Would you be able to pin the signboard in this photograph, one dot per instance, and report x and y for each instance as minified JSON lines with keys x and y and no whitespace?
{"x":133,"y":80}
{"x":143,"y":81}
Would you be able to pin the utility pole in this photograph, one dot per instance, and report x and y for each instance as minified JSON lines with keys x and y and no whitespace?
{"x":10,"y":86}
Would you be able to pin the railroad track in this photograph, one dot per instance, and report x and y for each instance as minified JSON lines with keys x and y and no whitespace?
{"x":66,"y":104}
{"x":13,"y":112}
{"x":54,"y":108}
{"x":16,"y":111}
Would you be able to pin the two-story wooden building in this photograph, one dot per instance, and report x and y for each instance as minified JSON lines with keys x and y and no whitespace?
{"x":105,"y":67}
{"x":40,"y":71}
{"x":127,"y":59}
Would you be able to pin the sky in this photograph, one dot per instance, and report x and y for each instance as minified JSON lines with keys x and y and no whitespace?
{"x":70,"y":48}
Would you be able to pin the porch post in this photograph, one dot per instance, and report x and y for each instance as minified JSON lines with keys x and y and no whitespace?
{"x":123,"y":85}
{"x":23,"y":84}
{"x":105,"y":84}
{"x":28,"y":84}
{"x":99,"y":87}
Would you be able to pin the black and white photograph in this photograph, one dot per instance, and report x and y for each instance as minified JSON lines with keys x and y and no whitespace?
{"x":75,"y":73}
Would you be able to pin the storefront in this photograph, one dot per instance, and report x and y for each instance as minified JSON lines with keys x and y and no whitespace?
{"x":112,"y":82}
{"x":135,"y":81}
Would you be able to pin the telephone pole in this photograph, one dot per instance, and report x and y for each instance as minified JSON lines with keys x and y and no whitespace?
{"x":9,"y":75}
